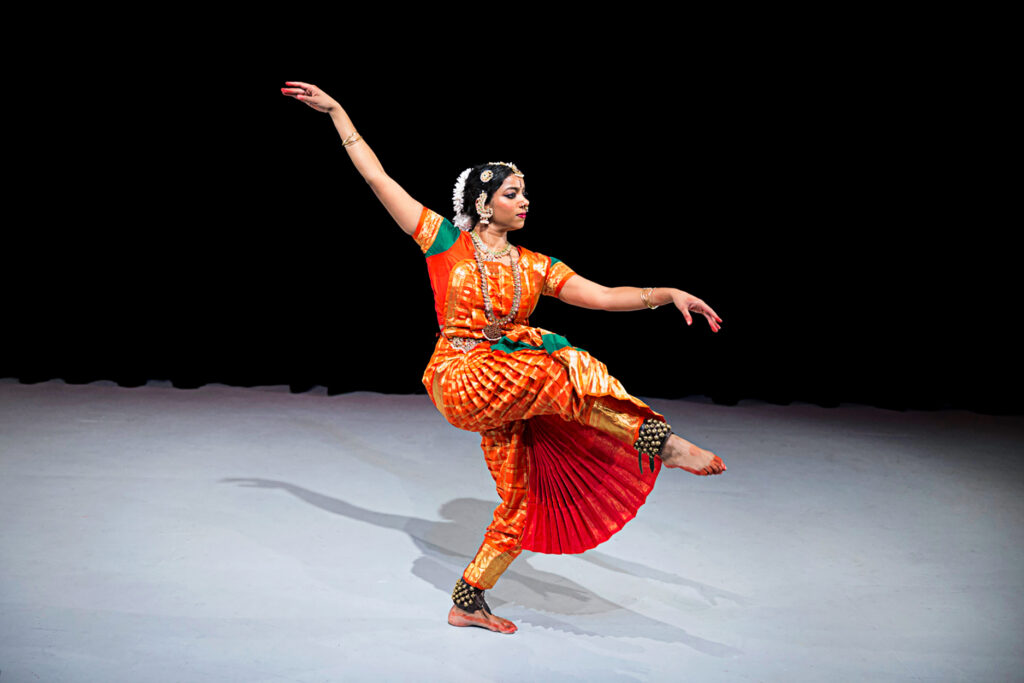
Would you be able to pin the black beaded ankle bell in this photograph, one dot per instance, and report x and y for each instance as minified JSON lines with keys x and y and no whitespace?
{"x":469,"y":598}
{"x":651,"y":440}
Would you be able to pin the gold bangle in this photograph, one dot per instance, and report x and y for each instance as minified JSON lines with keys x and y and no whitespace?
{"x":351,"y":139}
{"x":645,"y":296}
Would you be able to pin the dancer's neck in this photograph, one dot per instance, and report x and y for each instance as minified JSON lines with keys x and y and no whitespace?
{"x":493,"y":237}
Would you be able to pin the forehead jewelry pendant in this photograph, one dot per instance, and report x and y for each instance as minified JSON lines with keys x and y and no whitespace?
{"x":515,"y":171}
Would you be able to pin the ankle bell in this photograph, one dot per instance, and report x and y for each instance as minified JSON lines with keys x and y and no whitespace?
{"x":651,"y":440}
{"x":469,"y":598}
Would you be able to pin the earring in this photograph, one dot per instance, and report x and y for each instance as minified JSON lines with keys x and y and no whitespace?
{"x":485,"y":213}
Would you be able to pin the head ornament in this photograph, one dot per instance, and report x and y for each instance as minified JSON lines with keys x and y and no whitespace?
{"x":515,"y":171}
{"x":462,"y":219}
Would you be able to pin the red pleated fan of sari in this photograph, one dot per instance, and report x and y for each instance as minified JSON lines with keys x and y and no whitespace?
{"x":584,"y":486}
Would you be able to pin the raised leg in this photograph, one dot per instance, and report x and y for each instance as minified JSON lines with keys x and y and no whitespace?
{"x":679,"y":452}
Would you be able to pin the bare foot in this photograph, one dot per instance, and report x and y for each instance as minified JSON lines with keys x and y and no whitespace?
{"x":679,"y":452}
{"x":481,"y":618}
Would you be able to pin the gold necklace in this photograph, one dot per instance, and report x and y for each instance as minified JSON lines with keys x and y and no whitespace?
{"x":479,"y":243}
{"x":492,"y":331}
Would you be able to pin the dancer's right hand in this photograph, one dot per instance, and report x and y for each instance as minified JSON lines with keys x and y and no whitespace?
{"x":687,"y":302}
{"x":311,"y":95}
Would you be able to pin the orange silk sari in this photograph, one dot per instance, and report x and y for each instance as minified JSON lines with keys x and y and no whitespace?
{"x":557,"y":430}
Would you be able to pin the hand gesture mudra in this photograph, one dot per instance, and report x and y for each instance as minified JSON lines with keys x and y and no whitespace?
{"x":309,"y":94}
{"x":687,"y":302}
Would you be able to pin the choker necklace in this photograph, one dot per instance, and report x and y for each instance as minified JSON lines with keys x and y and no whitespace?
{"x":492,"y":331}
{"x":479,"y":243}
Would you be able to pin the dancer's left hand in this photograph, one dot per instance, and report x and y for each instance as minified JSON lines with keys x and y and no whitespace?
{"x":686,"y":303}
{"x":310,"y":95}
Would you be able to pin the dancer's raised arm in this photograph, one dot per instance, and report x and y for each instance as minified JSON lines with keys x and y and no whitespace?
{"x":403,"y":208}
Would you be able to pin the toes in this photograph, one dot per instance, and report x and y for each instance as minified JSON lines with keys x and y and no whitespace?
{"x":504,"y":625}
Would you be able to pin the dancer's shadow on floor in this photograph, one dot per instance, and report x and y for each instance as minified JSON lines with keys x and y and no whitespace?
{"x":448,"y":547}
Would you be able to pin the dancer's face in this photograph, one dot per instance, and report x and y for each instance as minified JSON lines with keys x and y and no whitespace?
{"x":510,"y":204}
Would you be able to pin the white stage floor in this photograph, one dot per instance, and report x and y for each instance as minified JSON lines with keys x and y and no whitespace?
{"x":229,"y":534}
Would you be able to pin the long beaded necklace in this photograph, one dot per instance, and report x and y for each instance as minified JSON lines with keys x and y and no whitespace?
{"x":492,"y":331}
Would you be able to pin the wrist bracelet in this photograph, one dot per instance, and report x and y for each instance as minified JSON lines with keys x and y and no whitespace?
{"x":645,"y":296}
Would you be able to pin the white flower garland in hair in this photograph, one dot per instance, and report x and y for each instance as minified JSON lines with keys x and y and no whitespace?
{"x":462,"y":220}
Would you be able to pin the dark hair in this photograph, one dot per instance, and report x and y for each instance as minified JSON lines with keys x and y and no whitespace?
{"x":474,"y":186}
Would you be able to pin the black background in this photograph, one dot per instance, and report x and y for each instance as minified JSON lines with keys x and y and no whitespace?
{"x":837,"y":199}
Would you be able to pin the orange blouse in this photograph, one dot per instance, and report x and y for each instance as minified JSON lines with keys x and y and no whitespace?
{"x":455,"y":279}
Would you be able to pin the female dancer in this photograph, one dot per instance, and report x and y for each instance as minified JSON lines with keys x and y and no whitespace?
{"x":561,"y":437}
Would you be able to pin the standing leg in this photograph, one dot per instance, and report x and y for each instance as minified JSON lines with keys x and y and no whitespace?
{"x":507,"y":460}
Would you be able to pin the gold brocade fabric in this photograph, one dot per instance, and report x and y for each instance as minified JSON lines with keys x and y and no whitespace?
{"x":494,"y":388}
{"x":484,"y":389}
